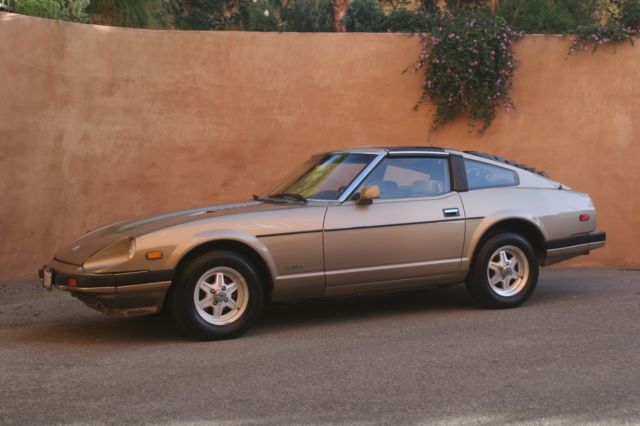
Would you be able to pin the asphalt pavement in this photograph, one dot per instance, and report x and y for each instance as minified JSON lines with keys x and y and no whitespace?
{"x":571,"y":355}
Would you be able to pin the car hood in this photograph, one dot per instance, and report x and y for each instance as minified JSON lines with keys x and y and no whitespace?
{"x":79,"y":250}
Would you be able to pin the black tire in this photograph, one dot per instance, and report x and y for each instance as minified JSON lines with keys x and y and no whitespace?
{"x":194,"y":320}
{"x":498,"y":295}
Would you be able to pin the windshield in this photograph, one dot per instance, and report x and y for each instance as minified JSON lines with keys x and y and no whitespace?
{"x":323,"y":177}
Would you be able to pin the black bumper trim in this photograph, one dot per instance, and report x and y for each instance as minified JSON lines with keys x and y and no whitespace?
{"x":576,"y":240}
{"x":105,"y":280}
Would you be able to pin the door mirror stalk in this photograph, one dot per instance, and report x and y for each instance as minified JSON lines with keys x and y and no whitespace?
{"x":368,"y":194}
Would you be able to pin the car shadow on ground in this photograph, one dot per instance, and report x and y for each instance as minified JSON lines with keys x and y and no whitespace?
{"x":93,"y":328}
{"x":364,"y":307}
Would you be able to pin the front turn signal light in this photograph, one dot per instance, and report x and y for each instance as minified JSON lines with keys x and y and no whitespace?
{"x":153,"y":255}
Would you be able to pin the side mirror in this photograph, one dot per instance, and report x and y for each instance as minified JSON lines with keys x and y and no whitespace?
{"x":368,"y":194}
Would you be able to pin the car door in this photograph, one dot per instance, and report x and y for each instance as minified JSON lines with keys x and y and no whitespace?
{"x":415,"y":229}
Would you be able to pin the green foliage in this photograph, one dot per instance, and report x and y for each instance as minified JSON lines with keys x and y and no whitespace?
{"x":365,"y":16}
{"x":548,"y":16}
{"x":259,"y":15}
{"x":468,"y":68}
{"x":247,"y":15}
{"x":122,"y":13}
{"x":458,"y":6}
{"x":203,"y":14}
{"x":368,"y":16}
{"x":630,"y":14}
{"x":619,"y":27}
{"x":406,"y":21}
{"x":429,"y":6}
{"x":53,"y":9}
{"x":308,"y":16}
{"x":595,"y":36}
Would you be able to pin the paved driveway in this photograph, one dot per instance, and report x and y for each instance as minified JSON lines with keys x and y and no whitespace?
{"x":570,"y":355}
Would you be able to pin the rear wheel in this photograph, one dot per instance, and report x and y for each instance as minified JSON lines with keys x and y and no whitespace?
{"x":218,"y":295}
{"x":504,"y":272}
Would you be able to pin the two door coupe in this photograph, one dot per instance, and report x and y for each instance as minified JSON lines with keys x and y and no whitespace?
{"x":346,"y":222}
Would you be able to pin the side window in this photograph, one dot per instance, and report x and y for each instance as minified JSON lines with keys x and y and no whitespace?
{"x":405,"y":177}
{"x":482,"y":175}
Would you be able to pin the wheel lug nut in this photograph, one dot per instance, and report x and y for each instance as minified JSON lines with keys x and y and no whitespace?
{"x":224,"y":287}
{"x":226,"y":300}
{"x":215,"y":303}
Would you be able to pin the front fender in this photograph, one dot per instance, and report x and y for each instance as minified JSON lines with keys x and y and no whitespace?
{"x":211,"y":236}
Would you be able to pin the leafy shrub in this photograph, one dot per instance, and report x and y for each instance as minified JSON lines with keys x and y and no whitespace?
{"x":406,"y":21}
{"x":468,"y":68}
{"x":259,"y":15}
{"x":202,"y":14}
{"x":457,"y":6}
{"x":123,"y":13}
{"x":548,"y":16}
{"x":365,"y":16}
{"x":43,"y":8}
{"x":308,"y":16}
{"x":429,"y":6}
{"x":630,"y":14}
{"x":595,"y":36}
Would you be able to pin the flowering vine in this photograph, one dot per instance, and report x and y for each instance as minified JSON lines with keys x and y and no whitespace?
{"x":468,"y":68}
{"x":585,"y":37}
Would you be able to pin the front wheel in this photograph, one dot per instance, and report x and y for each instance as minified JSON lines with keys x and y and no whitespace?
{"x":504,"y":272}
{"x":218,"y":296}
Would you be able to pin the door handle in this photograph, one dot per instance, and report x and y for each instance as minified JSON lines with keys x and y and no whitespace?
{"x":452,"y":212}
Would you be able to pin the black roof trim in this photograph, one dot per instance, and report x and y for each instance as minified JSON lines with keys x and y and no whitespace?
{"x":505,"y":161}
{"x":415,"y":148}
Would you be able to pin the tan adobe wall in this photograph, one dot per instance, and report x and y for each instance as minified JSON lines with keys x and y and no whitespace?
{"x":100,"y":123}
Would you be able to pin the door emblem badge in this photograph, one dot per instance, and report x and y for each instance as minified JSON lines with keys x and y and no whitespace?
{"x":294,"y":267}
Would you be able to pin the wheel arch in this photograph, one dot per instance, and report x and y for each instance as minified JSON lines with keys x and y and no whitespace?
{"x":234,"y":245}
{"x":525,"y":227}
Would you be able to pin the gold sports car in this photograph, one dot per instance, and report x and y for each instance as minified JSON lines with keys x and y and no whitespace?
{"x":361,"y":220}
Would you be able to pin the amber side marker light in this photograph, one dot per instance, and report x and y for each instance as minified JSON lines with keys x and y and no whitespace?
{"x":71,"y":282}
{"x":153,"y":255}
{"x":584,"y":217}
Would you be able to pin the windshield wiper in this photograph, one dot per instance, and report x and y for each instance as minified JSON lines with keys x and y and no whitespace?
{"x":293,"y":195}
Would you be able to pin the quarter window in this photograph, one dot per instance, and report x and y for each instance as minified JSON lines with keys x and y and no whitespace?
{"x":482,"y":175}
{"x":404,"y":177}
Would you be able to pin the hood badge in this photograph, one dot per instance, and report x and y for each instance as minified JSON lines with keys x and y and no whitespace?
{"x":75,"y":249}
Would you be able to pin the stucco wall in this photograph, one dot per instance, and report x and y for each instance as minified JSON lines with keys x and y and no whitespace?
{"x":99,"y":123}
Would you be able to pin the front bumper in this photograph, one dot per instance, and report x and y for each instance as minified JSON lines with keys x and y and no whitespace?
{"x":124,"y":294}
{"x":575,"y":245}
